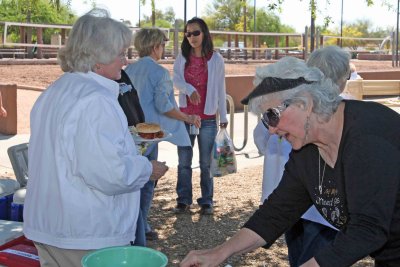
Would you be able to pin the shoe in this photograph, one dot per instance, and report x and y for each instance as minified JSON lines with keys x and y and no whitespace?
{"x":207,"y":209}
{"x":151,"y":236}
{"x":181,"y":208}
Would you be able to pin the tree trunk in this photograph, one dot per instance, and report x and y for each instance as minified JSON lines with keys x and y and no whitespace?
{"x":313,"y":9}
{"x":153,"y":13}
{"x":312,"y":34}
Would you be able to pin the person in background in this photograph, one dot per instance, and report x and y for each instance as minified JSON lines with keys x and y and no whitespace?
{"x":3,"y":111}
{"x":276,"y":153}
{"x":334,"y":63}
{"x":85,"y":173}
{"x":156,"y":95}
{"x":344,"y":165}
{"x":199,"y":75}
{"x":353,"y":72}
{"x":129,"y":100}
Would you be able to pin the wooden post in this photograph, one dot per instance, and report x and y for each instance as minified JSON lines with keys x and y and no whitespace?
{"x":130,"y":53}
{"x":22,"y":37}
{"x":8,"y":125}
{"x":287,"y":44}
{"x":63,"y":36}
{"x":176,"y":40}
{"x":229,"y":46}
{"x":39,"y":33}
{"x":253,"y":54}
{"x":236,"y":45}
{"x":305,"y":43}
{"x":276,"y":45}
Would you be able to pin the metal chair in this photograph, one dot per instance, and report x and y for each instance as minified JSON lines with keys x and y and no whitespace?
{"x":18,"y":155}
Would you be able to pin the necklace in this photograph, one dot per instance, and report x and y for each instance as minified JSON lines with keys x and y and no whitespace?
{"x":320,"y":179}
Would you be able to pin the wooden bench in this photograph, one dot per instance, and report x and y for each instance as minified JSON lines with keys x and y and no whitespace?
{"x":49,"y":52}
{"x":360,"y":89}
{"x":12,"y":53}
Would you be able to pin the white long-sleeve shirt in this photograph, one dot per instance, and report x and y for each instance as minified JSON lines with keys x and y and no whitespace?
{"x":216,"y":91}
{"x":85,"y":174}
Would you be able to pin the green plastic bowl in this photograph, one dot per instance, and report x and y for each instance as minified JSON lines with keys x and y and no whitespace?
{"x":125,"y":256}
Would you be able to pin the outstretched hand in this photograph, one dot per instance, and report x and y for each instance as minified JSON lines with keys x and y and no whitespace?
{"x":199,"y":258}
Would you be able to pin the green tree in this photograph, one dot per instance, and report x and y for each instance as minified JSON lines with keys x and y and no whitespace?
{"x":164,"y":19}
{"x":358,"y":29}
{"x":226,"y":14}
{"x":153,"y":11}
{"x":35,"y":11}
{"x":314,"y":10}
{"x":268,"y":21}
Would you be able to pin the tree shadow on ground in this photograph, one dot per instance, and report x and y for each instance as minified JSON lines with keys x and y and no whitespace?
{"x":235,"y":201}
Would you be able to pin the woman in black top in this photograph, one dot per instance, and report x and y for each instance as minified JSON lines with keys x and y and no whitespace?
{"x":345,"y":161}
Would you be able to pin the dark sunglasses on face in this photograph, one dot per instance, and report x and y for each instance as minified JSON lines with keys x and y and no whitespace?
{"x":271,"y":117}
{"x":194,"y":33}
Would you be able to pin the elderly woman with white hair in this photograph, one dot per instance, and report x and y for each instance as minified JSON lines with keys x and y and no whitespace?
{"x":345,"y":161}
{"x":312,"y":231}
{"x":85,"y":173}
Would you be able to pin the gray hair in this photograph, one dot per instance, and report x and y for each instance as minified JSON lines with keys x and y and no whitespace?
{"x":148,"y":38}
{"x":334,"y":62}
{"x":94,"y":38}
{"x":324,"y":93}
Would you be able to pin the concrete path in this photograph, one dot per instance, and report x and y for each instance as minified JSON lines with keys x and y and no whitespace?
{"x":167,"y":152}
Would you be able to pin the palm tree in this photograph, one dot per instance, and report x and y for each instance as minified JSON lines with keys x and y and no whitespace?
{"x":153,"y":11}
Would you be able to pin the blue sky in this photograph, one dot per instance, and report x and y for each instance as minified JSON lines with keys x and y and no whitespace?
{"x":295,"y":13}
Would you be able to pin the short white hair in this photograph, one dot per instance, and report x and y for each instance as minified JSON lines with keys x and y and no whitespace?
{"x":324,"y":93}
{"x":287,"y":68}
{"x":94,"y":38}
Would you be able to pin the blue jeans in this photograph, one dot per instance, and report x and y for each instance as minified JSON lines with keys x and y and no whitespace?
{"x":205,"y":140}
{"x":146,"y":197}
{"x":305,"y":238}
{"x":140,"y":239}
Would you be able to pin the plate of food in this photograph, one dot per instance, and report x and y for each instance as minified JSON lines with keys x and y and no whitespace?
{"x":149,"y":132}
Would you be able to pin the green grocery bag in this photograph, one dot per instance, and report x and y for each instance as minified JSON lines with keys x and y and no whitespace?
{"x":223,"y":159}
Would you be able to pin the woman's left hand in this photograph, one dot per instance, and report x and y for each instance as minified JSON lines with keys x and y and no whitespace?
{"x":195,"y":120}
{"x":223,"y":125}
{"x":195,"y":98}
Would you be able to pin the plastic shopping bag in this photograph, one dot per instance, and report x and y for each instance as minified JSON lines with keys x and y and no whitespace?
{"x":223,"y":159}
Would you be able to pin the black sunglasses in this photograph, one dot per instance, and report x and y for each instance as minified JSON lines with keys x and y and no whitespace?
{"x":194,"y":33}
{"x":272,"y":116}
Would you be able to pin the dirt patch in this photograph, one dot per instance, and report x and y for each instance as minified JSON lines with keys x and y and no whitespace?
{"x":43,"y":75}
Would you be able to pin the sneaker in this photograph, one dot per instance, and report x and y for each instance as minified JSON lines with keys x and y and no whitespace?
{"x":207,"y":209}
{"x":151,"y":236}
{"x":181,"y":208}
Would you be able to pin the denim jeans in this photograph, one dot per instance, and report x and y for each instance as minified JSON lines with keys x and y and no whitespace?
{"x":140,"y":239}
{"x":146,"y":197}
{"x":305,"y":238}
{"x":205,"y":140}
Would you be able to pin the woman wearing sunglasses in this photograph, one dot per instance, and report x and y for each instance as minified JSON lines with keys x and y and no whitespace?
{"x":199,"y":75}
{"x":345,"y":161}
